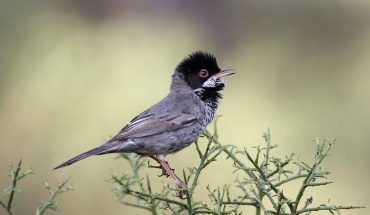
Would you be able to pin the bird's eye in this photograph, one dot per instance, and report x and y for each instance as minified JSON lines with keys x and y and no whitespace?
{"x":203,"y":73}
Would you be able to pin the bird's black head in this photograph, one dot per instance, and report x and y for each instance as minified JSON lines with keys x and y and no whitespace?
{"x":200,"y":72}
{"x":197,"y":68}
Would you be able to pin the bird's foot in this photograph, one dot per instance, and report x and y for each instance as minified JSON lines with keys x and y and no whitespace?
{"x":168,"y":171}
{"x":164,"y":172}
{"x":183,"y":192}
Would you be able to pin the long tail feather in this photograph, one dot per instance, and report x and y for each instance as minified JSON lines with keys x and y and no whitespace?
{"x":103,"y":149}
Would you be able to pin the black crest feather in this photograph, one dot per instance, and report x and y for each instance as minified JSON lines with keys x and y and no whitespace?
{"x":198,"y":60}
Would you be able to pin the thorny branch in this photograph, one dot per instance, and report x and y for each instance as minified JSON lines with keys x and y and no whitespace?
{"x":262,"y":177}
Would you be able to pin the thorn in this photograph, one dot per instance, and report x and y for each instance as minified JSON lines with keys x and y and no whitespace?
{"x":148,"y":184}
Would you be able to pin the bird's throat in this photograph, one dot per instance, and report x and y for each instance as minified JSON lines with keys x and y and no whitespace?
{"x":210,"y":96}
{"x":211,"y":99}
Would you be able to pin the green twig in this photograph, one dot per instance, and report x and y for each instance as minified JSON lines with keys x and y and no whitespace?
{"x":260,"y":182}
{"x":328,"y":208}
{"x":14,"y":176}
{"x":246,"y":170}
{"x":51,"y":203}
{"x":320,"y":155}
{"x":142,"y":194}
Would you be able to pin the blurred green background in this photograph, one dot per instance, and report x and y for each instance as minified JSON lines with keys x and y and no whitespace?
{"x":72,"y":73}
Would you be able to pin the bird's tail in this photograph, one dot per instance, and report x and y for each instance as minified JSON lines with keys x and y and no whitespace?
{"x":106,"y":148}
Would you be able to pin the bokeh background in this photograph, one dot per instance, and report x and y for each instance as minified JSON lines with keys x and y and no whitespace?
{"x":73,"y":73}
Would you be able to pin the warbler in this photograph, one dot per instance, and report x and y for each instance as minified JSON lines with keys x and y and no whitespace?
{"x":177,"y":120}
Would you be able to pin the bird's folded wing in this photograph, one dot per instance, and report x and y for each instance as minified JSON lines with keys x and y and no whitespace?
{"x":148,"y":124}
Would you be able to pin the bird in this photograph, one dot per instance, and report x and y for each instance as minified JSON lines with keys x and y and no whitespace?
{"x":177,"y":120}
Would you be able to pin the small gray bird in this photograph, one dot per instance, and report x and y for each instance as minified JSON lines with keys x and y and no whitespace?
{"x":177,"y":120}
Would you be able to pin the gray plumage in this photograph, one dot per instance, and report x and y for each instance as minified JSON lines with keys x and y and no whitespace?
{"x":177,"y":120}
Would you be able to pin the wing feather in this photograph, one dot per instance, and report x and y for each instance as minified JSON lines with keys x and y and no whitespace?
{"x":168,"y":115}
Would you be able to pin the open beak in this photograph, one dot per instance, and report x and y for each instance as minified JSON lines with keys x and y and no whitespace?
{"x":224,"y":73}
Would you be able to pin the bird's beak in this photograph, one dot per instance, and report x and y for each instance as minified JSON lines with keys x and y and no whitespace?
{"x":224,"y":73}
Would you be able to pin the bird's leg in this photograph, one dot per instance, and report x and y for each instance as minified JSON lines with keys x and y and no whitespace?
{"x":164,"y":172}
{"x":168,"y":171}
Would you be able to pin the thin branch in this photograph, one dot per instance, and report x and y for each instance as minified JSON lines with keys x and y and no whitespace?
{"x":256,"y":204}
{"x":246,"y":170}
{"x":14,"y":175}
{"x":328,"y":208}
{"x":320,"y":155}
{"x":138,"y":194}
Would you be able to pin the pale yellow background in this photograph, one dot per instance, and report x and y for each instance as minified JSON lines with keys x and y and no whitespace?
{"x":73,"y":73}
